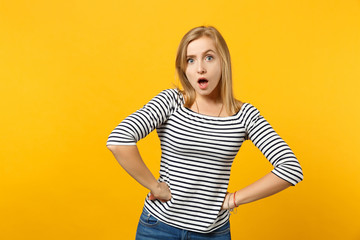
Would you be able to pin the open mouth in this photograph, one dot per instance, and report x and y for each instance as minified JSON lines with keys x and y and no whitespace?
{"x":202,"y":81}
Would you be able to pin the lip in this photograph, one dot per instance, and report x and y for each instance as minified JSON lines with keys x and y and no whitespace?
{"x":203,"y":85}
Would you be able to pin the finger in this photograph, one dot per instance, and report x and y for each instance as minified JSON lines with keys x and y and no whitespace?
{"x":151,"y":197}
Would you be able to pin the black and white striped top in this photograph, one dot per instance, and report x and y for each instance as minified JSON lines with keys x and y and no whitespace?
{"x":197,"y":154}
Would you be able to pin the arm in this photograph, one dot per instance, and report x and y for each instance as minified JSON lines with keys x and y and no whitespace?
{"x":287,"y":170}
{"x":122,"y":141}
{"x":129,"y":158}
{"x":264,"y":187}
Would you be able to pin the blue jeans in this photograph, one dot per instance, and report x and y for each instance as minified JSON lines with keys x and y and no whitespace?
{"x":149,"y":228}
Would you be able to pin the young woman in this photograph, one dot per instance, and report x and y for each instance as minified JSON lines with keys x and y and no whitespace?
{"x":201,"y":129}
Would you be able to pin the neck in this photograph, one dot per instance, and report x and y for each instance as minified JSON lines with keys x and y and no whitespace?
{"x":208,"y":102}
{"x":210,"y":112}
{"x":211,"y":99}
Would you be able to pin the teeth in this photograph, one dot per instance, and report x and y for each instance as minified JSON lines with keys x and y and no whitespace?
{"x":202,"y":82}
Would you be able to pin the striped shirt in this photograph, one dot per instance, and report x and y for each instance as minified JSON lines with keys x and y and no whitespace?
{"x":197,"y":152}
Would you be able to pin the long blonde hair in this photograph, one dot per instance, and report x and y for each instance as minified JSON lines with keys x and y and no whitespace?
{"x":231,"y":104}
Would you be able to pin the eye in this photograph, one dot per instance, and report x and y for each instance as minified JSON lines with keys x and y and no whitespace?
{"x":190,"y":60}
{"x":209,"y":58}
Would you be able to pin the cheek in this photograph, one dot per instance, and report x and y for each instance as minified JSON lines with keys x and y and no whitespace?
{"x":218,"y":71}
{"x":188,"y":73}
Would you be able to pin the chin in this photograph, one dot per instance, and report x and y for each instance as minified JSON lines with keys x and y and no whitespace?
{"x":205,"y":92}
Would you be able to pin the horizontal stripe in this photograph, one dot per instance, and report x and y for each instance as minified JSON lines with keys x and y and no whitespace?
{"x":197,"y":154}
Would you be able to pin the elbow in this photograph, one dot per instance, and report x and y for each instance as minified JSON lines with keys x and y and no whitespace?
{"x":300,"y":173}
{"x":119,"y":148}
{"x":299,"y":176}
{"x":113,"y":148}
{"x":110,"y":147}
{"x":291,"y":172}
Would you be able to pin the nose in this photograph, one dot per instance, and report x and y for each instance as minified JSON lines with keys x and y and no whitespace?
{"x":201,"y":68}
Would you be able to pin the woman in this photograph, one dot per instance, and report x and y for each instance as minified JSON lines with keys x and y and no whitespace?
{"x":201,"y":129}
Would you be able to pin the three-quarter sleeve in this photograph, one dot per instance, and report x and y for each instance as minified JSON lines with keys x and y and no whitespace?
{"x":274,"y":148}
{"x":140,"y":123}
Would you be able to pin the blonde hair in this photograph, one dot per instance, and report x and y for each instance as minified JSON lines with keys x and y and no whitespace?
{"x":231,"y":104}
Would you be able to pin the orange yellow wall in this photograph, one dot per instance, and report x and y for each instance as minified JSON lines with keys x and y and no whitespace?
{"x":72,"y":70}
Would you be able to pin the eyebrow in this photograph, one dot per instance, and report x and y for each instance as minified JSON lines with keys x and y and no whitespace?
{"x":209,"y":50}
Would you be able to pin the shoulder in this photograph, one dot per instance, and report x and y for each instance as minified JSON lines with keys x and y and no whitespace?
{"x":167,"y":94}
{"x":170,"y":97}
{"x":249,"y":112}
{"x":247,"y":108}
{"x":172,"y":94}
{"x":244,"y":107}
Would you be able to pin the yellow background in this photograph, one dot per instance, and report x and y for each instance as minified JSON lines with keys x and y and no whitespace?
{"x":72,"y":70}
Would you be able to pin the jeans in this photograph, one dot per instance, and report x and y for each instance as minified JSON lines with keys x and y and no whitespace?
{"x":149,"y":228}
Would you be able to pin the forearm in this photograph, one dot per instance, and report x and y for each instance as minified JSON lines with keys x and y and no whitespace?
{"x":264,"y":187}
{"x":129,"y":158}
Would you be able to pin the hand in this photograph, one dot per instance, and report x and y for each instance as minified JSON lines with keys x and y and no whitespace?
{"x":228,"y":201}
{"x":161,"y":192}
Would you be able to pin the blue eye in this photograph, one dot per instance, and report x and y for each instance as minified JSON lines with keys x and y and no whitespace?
{"x":190,"y":60}
{"x":209,"y":58}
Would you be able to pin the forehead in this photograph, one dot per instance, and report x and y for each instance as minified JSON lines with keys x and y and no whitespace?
{"x":200,"y":45}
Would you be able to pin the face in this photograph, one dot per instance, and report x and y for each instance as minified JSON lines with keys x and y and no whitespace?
{"x":203,"y":68}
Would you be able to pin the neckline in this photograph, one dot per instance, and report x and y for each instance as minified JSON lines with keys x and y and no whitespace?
{"x":222,"y":105}
{"x":188,"y":110}
{"x":208,"y":116}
